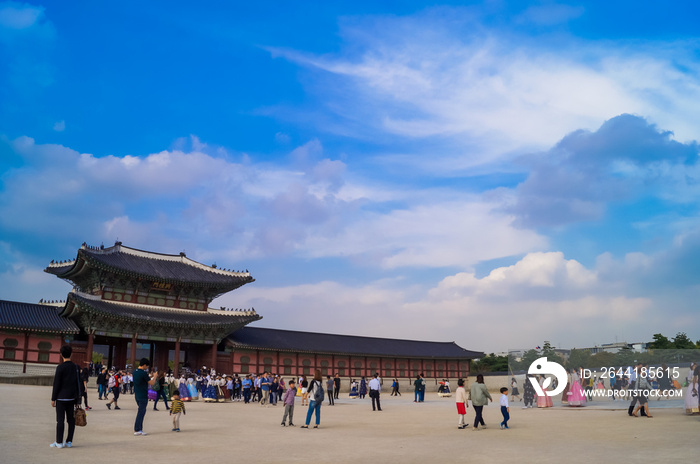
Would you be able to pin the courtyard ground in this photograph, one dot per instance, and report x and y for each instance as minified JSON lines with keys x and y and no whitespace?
{"x":404,"y":432}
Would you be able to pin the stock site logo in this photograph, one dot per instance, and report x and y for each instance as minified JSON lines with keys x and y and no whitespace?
{"x":542,"y":366}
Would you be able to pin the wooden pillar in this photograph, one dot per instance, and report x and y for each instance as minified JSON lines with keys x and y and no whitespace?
{"x":24,"y":352}
{"x":91,"y":341}
{"x":110,"y":355}
{"x":133,"y":351}
{"x":213,"y":356}
{"x":151,"y":353}
{"x":176,"y":363}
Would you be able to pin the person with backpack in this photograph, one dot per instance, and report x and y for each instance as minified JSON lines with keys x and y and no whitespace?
{"x":159,"y":388}
{"x":316,"y":394}
{"x":102,"y":384}
{"x":114,"y":381}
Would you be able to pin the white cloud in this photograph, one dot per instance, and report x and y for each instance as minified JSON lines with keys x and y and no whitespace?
{"x":497,"y":92}
{"x":14,"y":16}
{"x":314,"y":208}
{"x":434,"y":234}
{"x":542,"y":297}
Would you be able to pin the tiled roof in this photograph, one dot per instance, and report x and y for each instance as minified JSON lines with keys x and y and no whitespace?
{"x":166,"y":316}
{"x":34,"y":318}
{"x":149,"y":265}
{"x":288,"y":340}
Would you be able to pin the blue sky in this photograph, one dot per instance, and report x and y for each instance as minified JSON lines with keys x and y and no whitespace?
{"x":493,"y":173}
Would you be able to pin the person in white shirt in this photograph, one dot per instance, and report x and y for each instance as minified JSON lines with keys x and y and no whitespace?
{"x":375,"y":386}
{"x":505,"y":407}
{"x":462,"y":404}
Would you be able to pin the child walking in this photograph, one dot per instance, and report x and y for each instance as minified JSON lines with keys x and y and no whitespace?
{"x":288,"y":401}
{"x":505,"y":408}
{"x":177,"y":407}
{"x":462,"y":404}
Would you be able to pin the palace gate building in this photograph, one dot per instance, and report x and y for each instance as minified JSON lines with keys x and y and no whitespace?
{"x":131,"y":303}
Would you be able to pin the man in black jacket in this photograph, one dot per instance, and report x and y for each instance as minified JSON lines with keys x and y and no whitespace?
{"x":65,"y":396}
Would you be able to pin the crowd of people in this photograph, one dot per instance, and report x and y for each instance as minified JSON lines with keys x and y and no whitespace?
{"x":267,"y":389}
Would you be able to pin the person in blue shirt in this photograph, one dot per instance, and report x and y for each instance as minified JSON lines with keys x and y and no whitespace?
{"x":246,"y":386}
{"x":265,"y":388}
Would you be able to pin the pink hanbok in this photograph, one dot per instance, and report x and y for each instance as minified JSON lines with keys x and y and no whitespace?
{"x":576,"y":395}
{"x":544,"y":401}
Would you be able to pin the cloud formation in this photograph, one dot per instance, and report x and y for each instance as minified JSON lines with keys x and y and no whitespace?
{"x":501,"y":91}
{"x":625,"y":159}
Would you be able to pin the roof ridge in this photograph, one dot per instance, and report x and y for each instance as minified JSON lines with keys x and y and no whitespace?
{"x":353,"y":336}
{"x":90,"y":297}
{"x":179,"y":258}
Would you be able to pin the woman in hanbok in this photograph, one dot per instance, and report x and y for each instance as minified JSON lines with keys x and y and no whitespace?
{"x":576,"y":393}
{"x":353,"y":389}
{"x":543,"y":401}
{"x":182,"y":389}
{"x":567,"y":388}
{"x":363,"y":388}
{"x":692,"y":393}
{"x":209,"y":392}
{"x":194,"y":394}
{"x":220,"y":384}
{"x":528,"y":392}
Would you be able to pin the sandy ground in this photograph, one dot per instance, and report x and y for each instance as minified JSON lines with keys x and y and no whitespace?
{"x":403,"y":432}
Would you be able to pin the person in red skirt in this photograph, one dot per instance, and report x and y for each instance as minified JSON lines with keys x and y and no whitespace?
{"x":462,"y":404}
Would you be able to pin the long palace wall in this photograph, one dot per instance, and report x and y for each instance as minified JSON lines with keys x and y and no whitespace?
{"x":26,"y":353}
{"x":249,"y":361}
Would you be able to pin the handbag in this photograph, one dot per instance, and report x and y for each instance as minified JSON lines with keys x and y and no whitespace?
{"x":80,"y":417}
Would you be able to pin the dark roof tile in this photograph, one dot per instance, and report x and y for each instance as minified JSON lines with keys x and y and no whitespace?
{"x":150,"y":265}
{"x":288,"y":340}
{"x":170,"y":316}
{"x":34,"y":317}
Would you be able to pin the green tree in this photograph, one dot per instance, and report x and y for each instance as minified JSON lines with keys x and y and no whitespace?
{"x":97,"y":357}
{"x":578,"y":358}
{"x":528,"y":358}
{"x":492,"y":363}
{"x":683,"y":342}
{"x":550,"y":354}
{"x":661,"y":342}
{"x":602,"y":359}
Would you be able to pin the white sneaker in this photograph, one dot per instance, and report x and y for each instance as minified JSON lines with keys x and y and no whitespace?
{"x":68,"y":444}
{"x":143,"y":433}
{"x":56,"y":445}
{"x":136,"y":434}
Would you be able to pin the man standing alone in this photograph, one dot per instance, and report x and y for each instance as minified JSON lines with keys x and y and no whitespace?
{"x":65,"y":396}
{"x":141,"y":383}
{"x":336,"y":391}
{"x":374,"y":389}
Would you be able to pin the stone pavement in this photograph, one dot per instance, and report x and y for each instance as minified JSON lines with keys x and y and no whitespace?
{"x":403,"y":432}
